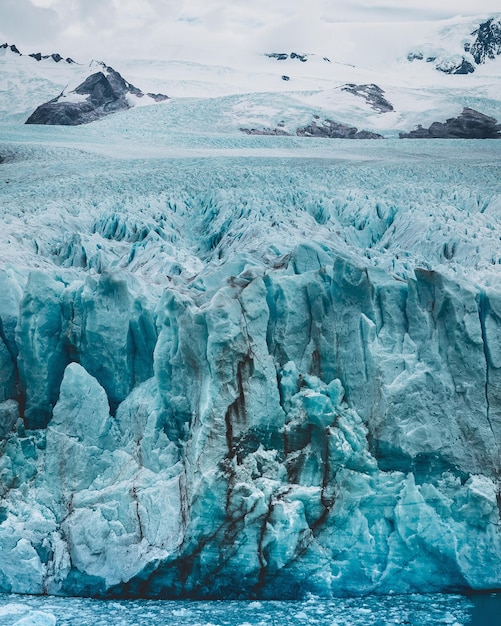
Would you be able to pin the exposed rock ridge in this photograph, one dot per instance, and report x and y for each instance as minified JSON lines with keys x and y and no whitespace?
{"x":470,"y":124}
{"x":372,"y":94}
{"x":275,"y":132}
{"x":38,"y":56}
{"x":487,"y":44}
{"x":283,"y":56}
{"x":334,"y":130}
{"x":317,"y":128}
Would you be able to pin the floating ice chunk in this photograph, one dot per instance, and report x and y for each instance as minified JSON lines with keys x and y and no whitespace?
{"x":37,"y":618}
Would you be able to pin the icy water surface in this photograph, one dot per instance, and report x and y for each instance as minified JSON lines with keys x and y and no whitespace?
{"x":416,"y":610}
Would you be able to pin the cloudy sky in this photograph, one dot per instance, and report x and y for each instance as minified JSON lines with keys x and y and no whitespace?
{"x":153,"y":28}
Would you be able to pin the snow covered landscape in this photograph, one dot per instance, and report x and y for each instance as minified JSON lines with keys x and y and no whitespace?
{"x":250,"y":337}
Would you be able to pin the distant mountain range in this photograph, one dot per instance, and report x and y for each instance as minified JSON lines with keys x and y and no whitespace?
{"x":323,"y":97}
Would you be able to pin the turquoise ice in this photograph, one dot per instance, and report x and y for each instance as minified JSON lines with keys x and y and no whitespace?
{"x":248,"y":378}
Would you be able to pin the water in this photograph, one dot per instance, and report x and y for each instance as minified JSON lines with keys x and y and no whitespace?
{"x":414,"y":610}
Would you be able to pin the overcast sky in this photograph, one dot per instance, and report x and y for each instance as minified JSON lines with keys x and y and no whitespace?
{"x":152,"y":28}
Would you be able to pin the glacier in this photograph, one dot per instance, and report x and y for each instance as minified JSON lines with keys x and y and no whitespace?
{"x":247,"y":367}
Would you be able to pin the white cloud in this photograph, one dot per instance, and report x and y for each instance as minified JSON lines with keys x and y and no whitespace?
{"x":22,"y":23}
{"x":88,"y":28}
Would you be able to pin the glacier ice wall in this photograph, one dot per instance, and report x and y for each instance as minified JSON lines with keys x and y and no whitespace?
{"x":255,"y":380}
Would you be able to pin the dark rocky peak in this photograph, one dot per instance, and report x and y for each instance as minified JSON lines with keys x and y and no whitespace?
{"x":470,"y":124}
{"x":119,"y":85}
{"x":99,"y":89}
{"x":372,"y":94}
{"x":107,"y":86}
{"x":487,"y":44}
{"x":103,"y":93}
{"x":12,"y":48}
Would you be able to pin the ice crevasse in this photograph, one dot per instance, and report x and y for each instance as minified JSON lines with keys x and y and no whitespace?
{"x":317,"y":426}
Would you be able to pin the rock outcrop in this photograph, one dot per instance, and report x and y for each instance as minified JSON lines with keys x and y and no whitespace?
{"x":372,"y":94}
{"x":11,"y":47}
{"x":448,"y":66}
{"x":101,"y":94}
{"x":487,"y":44}
{"x":283,"y":56}
{"x":334,"y":130}
{"x":275,"y":132}
{"x":317,"y":128}
{"x":470,"y":124}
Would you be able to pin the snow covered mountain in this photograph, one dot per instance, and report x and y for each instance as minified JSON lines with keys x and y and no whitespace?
{"x":481,"y":45}
{"x":101,"y":94}
{"x":250,"y":364}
